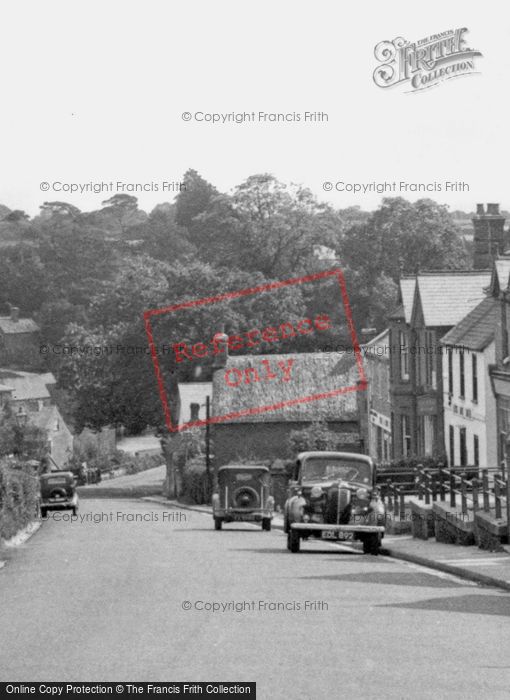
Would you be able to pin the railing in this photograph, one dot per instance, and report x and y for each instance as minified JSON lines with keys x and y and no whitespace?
{"x":467,"y":488}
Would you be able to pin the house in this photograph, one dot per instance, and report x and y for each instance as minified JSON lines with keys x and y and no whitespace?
{"x":375,"y":402}
{"x":441,"y":299}
{"x":19,"y":341}
{"x":500,"y":370}
{"x":401,"y":390}
{"x":468,"y":401}
{"x":263,"y":435}
{"x":30,"y":398}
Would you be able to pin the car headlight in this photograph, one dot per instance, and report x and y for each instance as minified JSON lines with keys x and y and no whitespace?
{"x":362,"y":495}
{"x":316,"y":492}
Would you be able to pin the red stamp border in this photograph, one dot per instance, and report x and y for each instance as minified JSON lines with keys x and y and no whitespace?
{"x":362,"y":384}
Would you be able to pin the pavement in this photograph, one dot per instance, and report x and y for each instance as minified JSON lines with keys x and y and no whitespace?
{"x":470,"y":563}
{"x":146,"y":591}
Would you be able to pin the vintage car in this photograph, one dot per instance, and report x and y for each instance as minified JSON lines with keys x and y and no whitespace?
{"x":333,"y":496}
{"x":243,"y":494}
{"x":58,"y":491}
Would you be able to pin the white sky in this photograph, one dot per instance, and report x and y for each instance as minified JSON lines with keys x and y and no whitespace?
{"x":94,"y":91}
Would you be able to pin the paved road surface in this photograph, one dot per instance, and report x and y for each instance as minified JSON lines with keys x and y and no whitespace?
{"x":103,"y":602}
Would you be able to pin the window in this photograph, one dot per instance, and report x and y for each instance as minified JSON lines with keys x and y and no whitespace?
{"x":450,"y":371}
{"x":452,"y":445}
{"x":463,"y":453}
{"x":406,"y":436}
{"x":462,"y":376}
{"x":474,"y":375}
{"x":428,"y":434}
{"x":404,"y":356}
{"x":476,"y":451}
{"x":430,"y":369}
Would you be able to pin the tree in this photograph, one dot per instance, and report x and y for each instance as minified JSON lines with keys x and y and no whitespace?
{"x":399,"y":236}
{"x":193,"y":199}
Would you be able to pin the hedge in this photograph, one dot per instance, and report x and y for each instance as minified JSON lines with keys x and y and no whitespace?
{"x":19,"y":498}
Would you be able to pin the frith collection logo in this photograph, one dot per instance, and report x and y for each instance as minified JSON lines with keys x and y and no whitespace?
{"x":424,"y":63}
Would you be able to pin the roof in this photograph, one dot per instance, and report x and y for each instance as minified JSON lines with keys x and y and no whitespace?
{"x":476,"y":330}
{"x":448,"y":295}
{"x":407,"y":286}
{"x":310,"y":374}
{"x":22,"y":325}
{"x":27,"y":385}
{"x":500,"y":274}
{"x":378,"y":347}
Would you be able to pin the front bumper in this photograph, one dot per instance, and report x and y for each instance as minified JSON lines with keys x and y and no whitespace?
{"x":356,"y":529}
{"x":233,"y":515}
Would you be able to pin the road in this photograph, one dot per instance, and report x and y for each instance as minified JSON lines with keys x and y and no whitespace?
{"x":103,"y":601}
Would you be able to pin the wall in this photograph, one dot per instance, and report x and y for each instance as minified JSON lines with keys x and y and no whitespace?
{"x":264,"y":441}
{"x":481,"y":417}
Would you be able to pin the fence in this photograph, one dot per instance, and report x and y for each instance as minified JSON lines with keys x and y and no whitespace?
{"x":467,"y":488}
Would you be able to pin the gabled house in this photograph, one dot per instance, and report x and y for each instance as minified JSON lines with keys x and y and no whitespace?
{"x":401,"y":390}
{"x":440,"y":300}
{"x":29,"y":397}
{"x":468,"y":401}
{"x":264,"y":435}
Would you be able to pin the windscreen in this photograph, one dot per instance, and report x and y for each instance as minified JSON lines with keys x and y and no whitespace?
{"x":328,"y":469}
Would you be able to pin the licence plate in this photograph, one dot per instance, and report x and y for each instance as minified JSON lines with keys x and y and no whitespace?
{"x":332,"y":535}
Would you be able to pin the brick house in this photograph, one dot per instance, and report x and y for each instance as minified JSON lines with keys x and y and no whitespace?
{"x":441,"y":299}
{"x":264,"y":435}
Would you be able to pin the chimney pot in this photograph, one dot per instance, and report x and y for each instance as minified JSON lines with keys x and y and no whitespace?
{"x":480,"y":210}
{"x":14,"y":313}
{"x":493,"y":209}
{"x":220,"y":340}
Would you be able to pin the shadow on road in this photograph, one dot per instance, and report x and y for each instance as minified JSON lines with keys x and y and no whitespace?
{"x":390,"y":578}
{"x":474,"y":604}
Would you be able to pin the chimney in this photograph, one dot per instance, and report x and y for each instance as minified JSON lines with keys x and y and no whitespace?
{"x":220,"y":343}
{"x":490,"y":237}
{"x":14,"y":314}
{"x":194,"y":411}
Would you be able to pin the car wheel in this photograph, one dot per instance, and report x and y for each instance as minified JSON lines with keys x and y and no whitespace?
{"x":266,"y":524}
{"x":371,"y":544}
{"x":44,"y":512}
{"x":293,"y":541}
{"x":217,"y":523}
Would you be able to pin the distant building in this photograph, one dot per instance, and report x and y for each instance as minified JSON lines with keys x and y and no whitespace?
{"x":19,"y":341}
{"x":29,"y":397}
{"x":375,"y":402}
{"x":264,"y":435}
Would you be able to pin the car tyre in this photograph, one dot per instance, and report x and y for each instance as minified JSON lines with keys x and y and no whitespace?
{"x":371,"y":544}
{"x":266,"y":524}
{"x":293,"y":541}
{"x":217,"y":523}
{"x":44,"y":512}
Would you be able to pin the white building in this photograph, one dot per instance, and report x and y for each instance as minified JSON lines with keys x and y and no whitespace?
{"x":469,"y":403}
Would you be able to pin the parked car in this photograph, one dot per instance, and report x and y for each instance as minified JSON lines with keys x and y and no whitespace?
{"x":58,"y":491}
{"x":243,"y":494}
{"x":333,"y":496}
